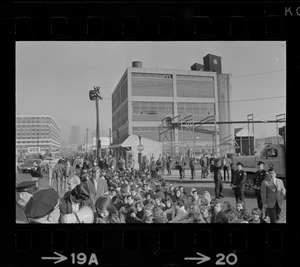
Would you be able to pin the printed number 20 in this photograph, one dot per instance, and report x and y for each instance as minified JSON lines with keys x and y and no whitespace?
{"x":228,"y":259}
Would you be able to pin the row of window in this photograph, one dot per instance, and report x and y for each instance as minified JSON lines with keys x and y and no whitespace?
{"x":120,"y":95}
{"x":146,"y":129}
{"x":142,"y":107}
{"x":37,"y":124}
{"x":120,"y":118}
{"x":152,"y":75}
{"x":18,"y":142}
{"x":196,"y":108}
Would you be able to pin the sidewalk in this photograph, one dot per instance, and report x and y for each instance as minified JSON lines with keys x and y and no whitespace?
{"x":174,"y":177}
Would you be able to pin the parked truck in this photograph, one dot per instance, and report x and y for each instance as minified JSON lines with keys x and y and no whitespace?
{"x":273,"y":155}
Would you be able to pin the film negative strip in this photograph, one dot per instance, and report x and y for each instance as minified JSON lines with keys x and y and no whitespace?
{"x":155,"y":244}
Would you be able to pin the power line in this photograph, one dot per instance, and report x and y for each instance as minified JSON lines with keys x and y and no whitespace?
{"x":237,"y":100}
{"x":256,"y":74}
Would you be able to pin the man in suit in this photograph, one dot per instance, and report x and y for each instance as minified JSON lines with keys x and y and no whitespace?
{"x":97,"y":185}
{"x":238,"y":183}
{"x":192,"y":166}
{"x":218,"y":216}
{"x":272,"y":195}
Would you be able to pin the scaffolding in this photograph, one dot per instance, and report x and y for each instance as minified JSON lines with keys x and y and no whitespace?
{"x":167,"y":131}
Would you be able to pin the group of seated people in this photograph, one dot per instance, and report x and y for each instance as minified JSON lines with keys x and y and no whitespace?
{"x":134,"y":197}
{"x":131,"y":196}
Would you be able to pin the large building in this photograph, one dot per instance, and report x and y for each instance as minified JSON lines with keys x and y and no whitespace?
{"x":37,"y":134}
{"x":145,"y":96}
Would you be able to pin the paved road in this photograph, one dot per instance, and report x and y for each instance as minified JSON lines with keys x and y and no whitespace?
{"x":201,"y":185}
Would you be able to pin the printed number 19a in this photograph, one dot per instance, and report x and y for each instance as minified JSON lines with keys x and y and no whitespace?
{"x":230,"y":259}
{"x":81,"y":258}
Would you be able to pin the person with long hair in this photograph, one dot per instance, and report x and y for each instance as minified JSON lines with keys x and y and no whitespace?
{"x":106,"y":212}
{"x":206,"y":198}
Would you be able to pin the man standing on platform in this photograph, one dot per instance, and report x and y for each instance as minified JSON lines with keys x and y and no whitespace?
{"x":168,"y":163}
{"x":181,"y":166}
{"x":192,"y":166}
{"x":204,"y":166}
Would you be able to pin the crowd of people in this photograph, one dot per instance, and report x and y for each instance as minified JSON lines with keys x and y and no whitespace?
{"x":114,"y":194}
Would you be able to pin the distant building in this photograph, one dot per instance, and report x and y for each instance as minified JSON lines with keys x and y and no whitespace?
{"x":244,"y":141}
{"x":37,"y":134}
{"x":145,"y":96}
{"x":74,"y":135}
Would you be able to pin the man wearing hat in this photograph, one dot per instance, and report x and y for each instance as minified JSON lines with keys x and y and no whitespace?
{"x":238,"y":183}
{"x":43,"y":207}
{"x":260,"y":175}
{"x":24,"y":191}
{"x":272,"y":195}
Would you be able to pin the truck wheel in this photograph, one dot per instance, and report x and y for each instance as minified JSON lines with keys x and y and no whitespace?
{"x":249,"y":191}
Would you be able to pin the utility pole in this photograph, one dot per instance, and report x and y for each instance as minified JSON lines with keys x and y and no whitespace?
{"x":95,"y":95}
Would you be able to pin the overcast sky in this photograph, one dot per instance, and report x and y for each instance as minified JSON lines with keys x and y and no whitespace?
{"x":54,"y":78}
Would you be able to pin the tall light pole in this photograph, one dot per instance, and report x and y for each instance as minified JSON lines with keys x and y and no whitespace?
{"x":95,"y":95}
{"x":140,"y":149}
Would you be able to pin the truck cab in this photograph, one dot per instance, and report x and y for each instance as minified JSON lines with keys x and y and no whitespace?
{"x":273,"y":155}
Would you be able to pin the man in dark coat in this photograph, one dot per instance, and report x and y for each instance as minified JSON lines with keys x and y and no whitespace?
{"x":238,"y":183}
{"x":260,"y":175}
{"x":168,"y":163}
{"x":218,"y":178}
{"x":192,"y":166}
{"x":218,"y":216}
{"x":181,"y":166}
{"x":36,"y":172}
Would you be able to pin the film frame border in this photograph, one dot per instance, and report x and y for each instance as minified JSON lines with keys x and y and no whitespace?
{"x":277,"y":24}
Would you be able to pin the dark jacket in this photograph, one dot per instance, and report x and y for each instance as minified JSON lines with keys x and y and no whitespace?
{"x":260,"y":175}
{"x":140,"y":216}
{"x":192,"y":162}
{"x":219,"y":217}
{"x":239,"y":178}
{"x":37,"y":172}
{"x":65,"y":205}
{"x":217,"y":173}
